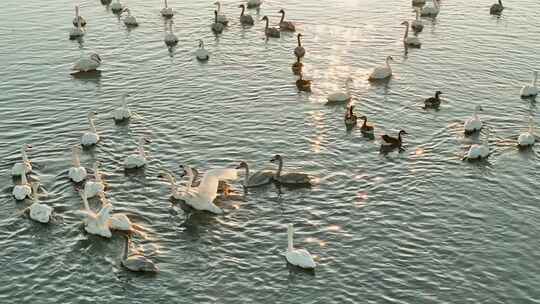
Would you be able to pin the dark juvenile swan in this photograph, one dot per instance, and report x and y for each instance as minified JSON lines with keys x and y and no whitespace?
{"x":270,"y":31}
{"x":291,"y":179}
{"x":433,"y":102}
{"x":260,"y":178}
{"x":245,"y":19}
{"x":496,"y":8}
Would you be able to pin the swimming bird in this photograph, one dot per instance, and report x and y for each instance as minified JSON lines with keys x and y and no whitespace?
{"x":496,"y":8}
{"x":170,"y":38}
{"x":530,"y":90}
{"x":473,"y":124}
{"x":22,"y":190}
{"x":478,"y":151}
{"x":382,"y":72}
{"x":90,"y":137}
{"x":136,"y":161}
{"x":201,"y":53}
{"x":167,"y":11}
{"x":417,"y":25}
{"x":410,"y":40}
{"x":366,"y":128}
{"x":137,"y":262}
{"x":23,"y":167}
{"x":245,"y":19}
{"x":270,"y":31}
{"x":175,"y":193}
{"x":130,"y":20}
{"x":94,"y":187}
{"x":430,"y":11}
{"x":303,"y":84}
{"x":299,"y":51}
{"x":433,"y":102}
{"x":87,"y":64}
{"x":350,"y":117}
{"x":221,"y":18}
{"x":289,"y":179}
{"x":203,"y":196}
{"x":527,"y":139}
{"x":39,"y":212}
{"x":258,"y":179}
{"x":96,"y":223}
{"x":77,"y":31}
{"x":217,"y":27}
{"x":297,"y":66}
{"x":123,"y":112}
{"x":254,"y":3}
{"x":286,"y":26}
{"x":78,"y":18}
{"x":117,"y":7}
{"x":117,"y":221}
{"x":297,"y":257}
{"x":393,"y":142}
{"x":341,"y":96}
{"x":77,"y":173}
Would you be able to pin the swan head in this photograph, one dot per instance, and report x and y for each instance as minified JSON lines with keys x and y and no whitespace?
{"x":242,"y":165}
{"x":402,"y":132}
{"x":364,"y":117}
{"x":91,"y":114}
{"x":242,"y":6}
{"x":478,"y":108}
{"x":264,"y":18}
{"x":389,"y":58}
{"x":276,"y":158}
{"x":186,"y":170}
{"x":405,"y":23}
{"x":201,"y":43}
{"x":281,"y":11}
{"x":438,"y":93}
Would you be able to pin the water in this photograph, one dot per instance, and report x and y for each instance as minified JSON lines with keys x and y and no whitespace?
{"x":420,"y":226}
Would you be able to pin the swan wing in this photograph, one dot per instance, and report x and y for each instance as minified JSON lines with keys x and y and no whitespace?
{"x":210,"y":180}
{"x":301,"y":258}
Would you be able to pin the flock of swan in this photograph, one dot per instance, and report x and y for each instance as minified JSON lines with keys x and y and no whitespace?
{"x":200,"y":191}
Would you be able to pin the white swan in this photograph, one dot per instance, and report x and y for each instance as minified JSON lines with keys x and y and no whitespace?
{"x":77,"y":173}
{"x":87,"y":64}
{"x":297,"y":257}
{"x":94,"y":187}
{"x":39,"y":212}
{"x":202,"y":197}
{"x":530,"y":90}
{"x":138,"y":160}
{"x":77,"y":31}
{"x":23,"y":167}
{"x":167,"y":11}
{"x":78,"y":18}
{"x":478,"y":151}
{"x":137,"y":262}
{"x":123,"y":112}
{"x":96,"y":223}
{"x":382,"y":72}
{"x":410,"y":40}
{"x":341,"y":96}
{"x":130,"y":20}
{"x":221,"y":18}
{"x":170,"y":38}
{"x":117,"y":7}
{"x":201,"y":53}
{"x":258,"y":179}
{"x":90,"y":137}
{"x":430,"y":11}
{"x":245,"y":19}
{"x":217,"y":27}
{"x":527,"y":139}
{"x":117,"y":221}
{"x":473,"y":124}
{"x":417,"y":25}
{"x":22,"y":190}
{"x":254,"y":3}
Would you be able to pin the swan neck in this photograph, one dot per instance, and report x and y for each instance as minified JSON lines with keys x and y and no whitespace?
{"x":76,"y":159}
{"x":97,"y":174}
{"x":126,"y":244}
{"x":290,"y":240}
{"x":219,"y":7}
{"x":267,"y":23}
{"x":24,"y":156}
{"x":85,"y":201}
{"x":280,"y":167}
{"x":243,"y":9}
{"x":191,"y":177}
{"x":166,"y":4}
{"x":535,"y":78}
{"x":77,"y":11}
{"x":24,"y":181}
{"x":92,"y":125}
{"x":406,"y":32}
{"x":141,"y":148}
{"x":417,"y":15}
{"x":365,"y":122}
{"x":299,"y":41}
{"x":282,"y":16}
{"x":246,"y":178}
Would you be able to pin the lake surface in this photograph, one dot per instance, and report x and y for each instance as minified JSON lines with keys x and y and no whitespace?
{"x":421,"y":226}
